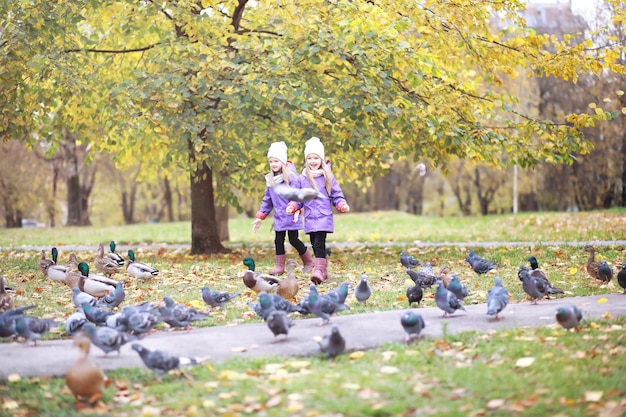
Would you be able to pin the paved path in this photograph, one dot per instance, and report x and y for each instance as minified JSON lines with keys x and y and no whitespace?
{"x":361,"y":331}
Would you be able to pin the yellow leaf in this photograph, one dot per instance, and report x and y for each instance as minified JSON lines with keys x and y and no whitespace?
{"x":10,"y":405}
{"x":356,"y":354}
{"x":524,"y":362}
{"x":14,"y":378}
{"x":592,"y":105}
{"x":607,"y":315}
{"x":208,"y":404}
{"x":602,"y":300}
{"x":619,"y":92}
{"x":573,"y":270}
{"x":593,"y":396}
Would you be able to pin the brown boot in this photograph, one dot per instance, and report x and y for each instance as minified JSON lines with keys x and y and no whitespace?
{"x":307,"y":262}
{"x":320,"y":273}
{"x":279,"y":267}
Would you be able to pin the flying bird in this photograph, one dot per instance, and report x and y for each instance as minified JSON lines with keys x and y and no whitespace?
{"x":301,"y":195}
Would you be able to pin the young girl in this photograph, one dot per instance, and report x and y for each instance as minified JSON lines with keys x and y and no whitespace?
{"x":281,"y":171}
{"x":318,"y":213}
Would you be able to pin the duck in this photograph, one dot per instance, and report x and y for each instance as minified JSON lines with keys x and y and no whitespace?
{"x":94,"y":285}
{"x":84,"y":378}
{"x":114,"y":256}
{"x":256,"y":281}
{"x":288,"y":288}
{"x":592,"y":265}
{"x":538,"y":273}
{"x":139,"y":270}
{"x":6,"y":301}
{"x":57,"y":272}
{"x":44,"y":263}
{"x":445,"y":275}
{"x":105,"y":264}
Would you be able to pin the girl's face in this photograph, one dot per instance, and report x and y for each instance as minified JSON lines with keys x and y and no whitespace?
{"x":313,"y":161}
{"x":275,"y":164}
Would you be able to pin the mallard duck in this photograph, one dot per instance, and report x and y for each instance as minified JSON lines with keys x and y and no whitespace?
{"x":84,"y":378}
{"x":104,"y":264}
{"x":57,"y":272}
{"x":256,"y":281}
{"x":6,"y":301}
{"x":592,"y":266}
{"x":288,"y":287}
{"x":114,"y":256}
{"x":44,"y":263}
{"x":139,"y":270}
{"x":95,"y":285}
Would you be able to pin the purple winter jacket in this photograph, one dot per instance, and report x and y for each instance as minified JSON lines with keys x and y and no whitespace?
{"x":271,"y":200}
{"x":318,"y":213}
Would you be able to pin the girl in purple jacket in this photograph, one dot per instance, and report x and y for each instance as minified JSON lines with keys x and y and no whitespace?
{"x":281,"y":171}
{"x":318,"y":213}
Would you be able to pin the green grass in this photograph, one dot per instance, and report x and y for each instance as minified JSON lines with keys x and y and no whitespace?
{"x":456,"y":375}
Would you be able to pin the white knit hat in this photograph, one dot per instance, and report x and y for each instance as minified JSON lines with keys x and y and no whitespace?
{"x":278,"y":150}
{"x":314,"y":145}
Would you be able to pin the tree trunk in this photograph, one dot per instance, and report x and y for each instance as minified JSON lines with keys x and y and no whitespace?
{"x":167,"y":196}
{"x":77,"y":195}
{"x":221,"y":215}
{"x":204,"y":231}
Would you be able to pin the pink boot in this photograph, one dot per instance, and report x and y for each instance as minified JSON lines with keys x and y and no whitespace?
{"x":279,"y":267}
{"x":320,"y":274}
{"x":307,"y":262}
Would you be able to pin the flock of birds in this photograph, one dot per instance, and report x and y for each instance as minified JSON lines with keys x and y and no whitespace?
{"x":102,"y":320}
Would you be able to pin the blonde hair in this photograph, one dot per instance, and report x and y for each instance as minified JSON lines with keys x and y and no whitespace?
{"x":325,"y":173}
{"x":284,"y":171}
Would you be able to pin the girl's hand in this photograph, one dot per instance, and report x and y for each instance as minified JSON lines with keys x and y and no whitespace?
{"x":343,"y":207}
{"x":291,"y":208}
{"x":256,"y":224}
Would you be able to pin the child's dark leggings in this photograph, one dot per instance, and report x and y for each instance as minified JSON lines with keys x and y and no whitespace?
{"x":279,"y":242}
{"x":318,"y":241}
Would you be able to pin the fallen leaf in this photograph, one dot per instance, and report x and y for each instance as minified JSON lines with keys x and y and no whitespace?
{"x":607,"y":315}
{"x":593,"y":396}
{"x":274,"y":401}
{"x":573,"y":270}
{"x":602,"y":300}
{"x":10,"y":405}
{"x":495,"y":403}
{"x":14,"y":378}
{"x":524,"y":362}
{"x":239,"y":349}
{"x":388,"y":370}
{"x":356,"y":354}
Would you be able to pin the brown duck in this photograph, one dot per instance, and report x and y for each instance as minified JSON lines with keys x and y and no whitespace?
{"x":288,"y":287}
{"x":592,"y":265}
{"x":44,"y":263}
{"x":6,"y":301}
{"x":85,"y":379}
{"x":445,"y":275}
{"x":105,"y":264}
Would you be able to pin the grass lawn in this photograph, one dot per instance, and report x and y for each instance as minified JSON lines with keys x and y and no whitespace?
{"x":466,"y":375}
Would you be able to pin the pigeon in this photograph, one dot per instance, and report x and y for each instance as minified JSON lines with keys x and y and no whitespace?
{"x":179,"y":315}
{"x":621,"y":277}
{"x":408,"y":261}
{"x":301,"y":195}
{"x":270,"y":302}
{"x":605,"y":272}
{"x":535,"y":288}
{"x":95,"y":314}
{"x":106,"y":338}
{"x":457,"y":287}
{"x":74,"y":323}
{"x":363,"y":291}
{"x":479,"y":265}
{"x":414,"y":294}
{"x":412,"y":323}
{"x":79,"y":298}
{"x":8,"y":318}
{"x":333,"y":344}
{"x":84,"y":378}
{"x":340,"y":294}
{"x":118,"y":321}
{"x":322,"y":307}
{"x":279,"y":323}
{"x":113,"y":299}
{"x":142,"y":322}
{"x":6,"y":301}
{"x":33,"y":328}
{"x":424,"y":277}
{"x":541,"y":280}
{"x":446,"y":300}
{"x":160,"y":361}
{"x":217,"y":298}
{"x":497,"y":298}
{"x":569,"y":316}
{"x":445,"y":275}
{"x":139,"y":270}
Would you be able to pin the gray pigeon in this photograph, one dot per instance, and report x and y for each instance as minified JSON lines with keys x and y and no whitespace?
{"x":497,"y":298}
{"x":106,"y":338}
{"x":33,"y":328}
{"x":535,"y":289}
{"x":141,"y":322}
{"x":458,"y":288}
{"x":321,"y":306}
{"x":8,"y":318}
{"x":340,"y":294}
{"x":179,"y":315}
{"x":446,"y":300}
{"x":541,"y":280}
{"x":412,"y":323}
{"x":414,"y":294}
{"x":160,"y":361}
{"x":569,"y":316}
{"x":94,"y":314}
{"x":424,"y":277}
{"x":113,"y":299}
{"x":363,"y":291}
{"x":621,"y":277}
{"x":605,"y":272}
{"x":279,"y":323}
{"x":301,"y":195}
{"x":408,"y":261}
{"x":333,"y":344}
{"x":479,"y":264}
{"x":79,"y":298}
{"x":217,"y":298}
{"x":270,"y":302}
{"x":74,"y":323}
